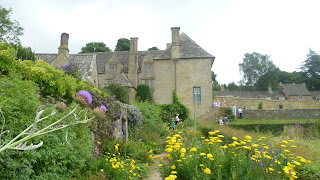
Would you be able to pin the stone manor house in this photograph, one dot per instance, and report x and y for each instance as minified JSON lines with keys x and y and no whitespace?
{"x":183,"y":66}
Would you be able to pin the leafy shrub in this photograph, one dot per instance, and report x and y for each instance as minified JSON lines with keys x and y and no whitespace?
{"x":72,"y":70}
{"x":7,"y":58}
{"x":143,"y":93}
{"x":260,"y":105}
{"x":228,"y":112}
{"x":120,"y":92}
{"x":170,"y":110}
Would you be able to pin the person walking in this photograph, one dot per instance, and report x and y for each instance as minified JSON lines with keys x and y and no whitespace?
{"x":177,"y":119}
{"x":240,"y":113}
{"x":234,"y":110}
{"x":173,"y":124}
{"x":220,"y":121}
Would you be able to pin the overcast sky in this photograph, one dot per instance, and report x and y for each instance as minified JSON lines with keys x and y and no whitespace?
{"x":283,"y":29}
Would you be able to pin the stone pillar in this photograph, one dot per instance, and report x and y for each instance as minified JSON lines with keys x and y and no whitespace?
{"x":133,"y":61}
{"x":64,"y":44}
{"x":175,"y":45}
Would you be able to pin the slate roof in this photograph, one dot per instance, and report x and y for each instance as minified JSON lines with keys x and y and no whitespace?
{"x":123,"y":57}
{"x":315,"y":94}
{"x":84,"y":61}
{"x":251,"y":94}
{"x":123,"y":80}
{"x":188,"y":49}
{"x":295,"y":89}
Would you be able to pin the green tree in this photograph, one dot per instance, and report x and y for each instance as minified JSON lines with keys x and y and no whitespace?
{"x":95,"y":47}
{"x":253,"y":66}
{"x":292,"y":77}
{"x":233,"y":87}
{"x":123,"y":45}
{"x":9,"y":30}
{"x":143,"y":93}
{"x":24,"y":53}
{"x":153,"y":48}
{"x":120,"y":92}
{"x":271,"y":78}
{"x":311,"y":68}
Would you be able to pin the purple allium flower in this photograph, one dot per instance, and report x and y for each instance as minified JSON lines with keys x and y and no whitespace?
{"x":270,"y":144}
{"x":99,"y":112}
{"x":62,"y":107}
{"x":252,"y":163}
{"x":273,"y":159}
{"x":260,"y":163}
{"x":104,"y":107}
{"x":84,"y":97}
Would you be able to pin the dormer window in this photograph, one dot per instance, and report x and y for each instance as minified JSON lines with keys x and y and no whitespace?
{"x":113,"y":66}
{"x":148,"y":66}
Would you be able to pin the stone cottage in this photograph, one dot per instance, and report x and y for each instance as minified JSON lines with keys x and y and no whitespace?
{"x":183,"y":66}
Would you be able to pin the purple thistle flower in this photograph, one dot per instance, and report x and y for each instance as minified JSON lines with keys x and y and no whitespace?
{"x":99,"y":112}
{"x":84,"y":97}
{"x":103,"y":107}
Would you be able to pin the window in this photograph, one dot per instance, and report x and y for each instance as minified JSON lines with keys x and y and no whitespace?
{"x":148,"y":66}
{"x":300,"y":97}
{"x":113,"y":66}
{"x":197,"y":93}
{"x":268,"y":98}
{"x":149,"y":82}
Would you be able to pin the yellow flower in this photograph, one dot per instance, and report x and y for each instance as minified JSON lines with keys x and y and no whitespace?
{"x":286,"y":150}
{"x":101,"y":170}
{"x":116,"y":147}
{"x":192,"y":150}
{"x":248,"y":137}
{"x":161,"y":159}
{"x":220,"y":136}
{"x":293,"y":146}
{"x":169,"y":150}
{"x":283,"y":146}
{"x":159,"y":165}
{"x":263,"y":137}
{"x":291,"y":140}
{"x":201,"y":165}
{"x":150,"y":152}
{"x":207,"y":171}
{"x":285,"y":142}
{"x":219,"y":141}
{"x":297,"y":163}
{"x":183,"y":150}
{"x":173,"y":167}
{"x":134,"y":174}
{"x":202,"y":154}
{"x":209,"y":156}
{"x":224,"y":147}
{"x":211,"y":133}
{"x":179,"y":160}
{"x":220,"y":166}
{"x":255,"y":145}
{"x":179,"y":132}
{"x":98,"y":142}
{"x":234,"y":138}
{"x":174,"y":172}
{"x":146,"y":165}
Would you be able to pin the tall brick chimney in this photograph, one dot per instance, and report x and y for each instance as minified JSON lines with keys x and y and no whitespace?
{"x":175,"y":51}
{"x":64,"y":44}
{"x":133,"y":61}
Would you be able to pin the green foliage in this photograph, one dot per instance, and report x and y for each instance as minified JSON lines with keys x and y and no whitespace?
{"x":24,"y":53}
{"x":269,"y":79}
{"x":7,"y":58}
{"x":291,"y":77}
{"x":153,"y":48}
{"x":228,"y":112}
{"x":170,"y":110}
{"x":58,"y":158}
{"x":9,"y":30}
{"x":143,"y":93}
{"x":120,"y":92}
{"x":233,"y":87}
{"x":260,"y":105}
{"x":253,"y":66}
{"x":95,"y":47}
{"x":123,"y":44}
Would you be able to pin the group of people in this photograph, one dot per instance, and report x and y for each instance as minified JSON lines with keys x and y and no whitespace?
{"x":224,"y":121}
{"x":174,"y":121}
{"x":218,"y":104}
{"x":234,"y":111}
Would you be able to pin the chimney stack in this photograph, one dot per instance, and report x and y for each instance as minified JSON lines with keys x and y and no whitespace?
{"x":269,"y":89}
{"x":64,"y":44}
{"x":175,"y":46}
{"x":133,"y":62}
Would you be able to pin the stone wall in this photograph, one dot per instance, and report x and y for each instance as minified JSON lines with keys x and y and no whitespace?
{"x":269,"y":104}
{"x":282,"y":114}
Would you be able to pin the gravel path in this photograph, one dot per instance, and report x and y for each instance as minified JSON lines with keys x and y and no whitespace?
{"x":154,"y":173}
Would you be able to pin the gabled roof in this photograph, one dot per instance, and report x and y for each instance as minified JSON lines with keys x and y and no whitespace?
{"x":188,"y":49}
{"x":123,"y":57}
{"x":123,"y":80}
{"x":295,"y":89}
{"x":82,"y":60}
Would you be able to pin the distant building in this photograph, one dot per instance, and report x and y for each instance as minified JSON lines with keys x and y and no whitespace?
{"x":183,"y":66}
